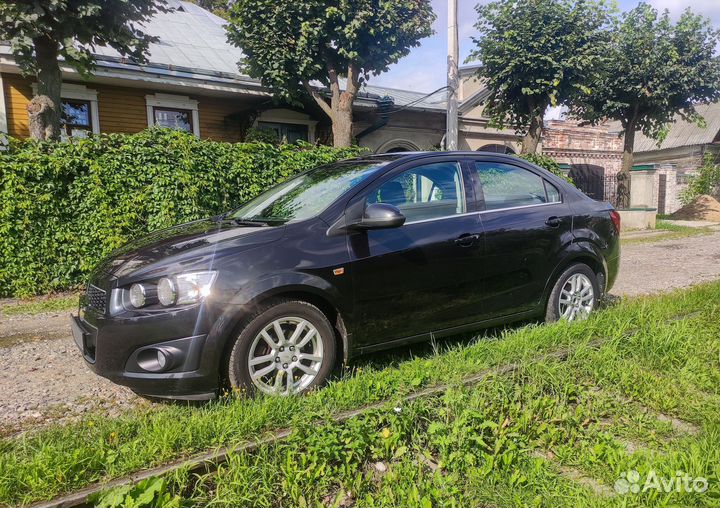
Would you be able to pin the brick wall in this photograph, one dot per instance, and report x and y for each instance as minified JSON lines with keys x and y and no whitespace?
{"x":569,"y":143}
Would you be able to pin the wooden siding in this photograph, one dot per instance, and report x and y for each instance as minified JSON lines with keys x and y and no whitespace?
{"x":18,"y":93}
{"x":123,"y":109}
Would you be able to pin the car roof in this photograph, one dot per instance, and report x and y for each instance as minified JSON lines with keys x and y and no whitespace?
{"x":403,"y":156}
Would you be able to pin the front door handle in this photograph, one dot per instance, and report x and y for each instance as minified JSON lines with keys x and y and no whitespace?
{"x":553,"y":221}
{"x":466,"y":240}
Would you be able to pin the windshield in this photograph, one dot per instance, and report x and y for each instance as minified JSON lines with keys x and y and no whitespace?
{"x":307,"y":194}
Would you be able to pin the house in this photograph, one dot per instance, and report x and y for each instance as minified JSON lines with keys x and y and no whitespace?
{"x":192,"y":82}
{"x":593,"y":155}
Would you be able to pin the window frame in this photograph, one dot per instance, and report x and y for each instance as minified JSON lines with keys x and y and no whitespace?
{"x":155,"y":109}
{"x":75,"y":92}
{"x":480,"y":195}
{"x":356,"y":204}
{"x":170,"y":102}
{"x":67,"y":127}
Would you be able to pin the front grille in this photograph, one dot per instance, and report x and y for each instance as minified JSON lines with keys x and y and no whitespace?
{"x":95,"y":298}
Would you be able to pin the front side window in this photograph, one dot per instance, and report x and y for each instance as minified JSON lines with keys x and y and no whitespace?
{"x":425,"y":192}
{"x":308,"y":194}
{"x":180,"y":119}
{"x":508,"y":186}
{"x":75,"y":118}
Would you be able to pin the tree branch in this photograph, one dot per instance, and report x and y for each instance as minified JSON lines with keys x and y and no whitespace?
{"x":318,"y":98}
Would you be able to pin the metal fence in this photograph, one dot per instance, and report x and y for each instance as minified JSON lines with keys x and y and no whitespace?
{"x":597,"y":186}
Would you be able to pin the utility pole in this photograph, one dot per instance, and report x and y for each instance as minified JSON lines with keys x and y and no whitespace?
{"x":451,"y":134}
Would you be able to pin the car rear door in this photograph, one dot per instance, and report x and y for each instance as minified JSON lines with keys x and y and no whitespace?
{"x":424,"y":275}
{"x":526,"y":225}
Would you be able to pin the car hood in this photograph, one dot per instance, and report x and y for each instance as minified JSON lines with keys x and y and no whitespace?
{"x":192,"y":245}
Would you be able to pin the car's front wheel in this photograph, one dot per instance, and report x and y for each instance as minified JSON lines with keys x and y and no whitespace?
{"x":574,"y":296}
{"x":287,"y":347}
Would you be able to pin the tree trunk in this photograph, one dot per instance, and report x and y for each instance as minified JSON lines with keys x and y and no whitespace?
{"x":623,"y":178}
{"x":44,"y":109}
{"x":342,"y":124}
{"x":531,"y":140}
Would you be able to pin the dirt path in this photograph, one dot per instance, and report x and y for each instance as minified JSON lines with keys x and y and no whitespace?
{"x":647,"y":268}
{"x":44,"y":379}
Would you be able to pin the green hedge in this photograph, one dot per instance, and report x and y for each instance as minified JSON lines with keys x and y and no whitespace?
{"x":64,"y":206}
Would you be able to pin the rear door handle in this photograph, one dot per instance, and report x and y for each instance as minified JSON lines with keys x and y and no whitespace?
{"x":466,"y":240}
{"x":553,"y":221}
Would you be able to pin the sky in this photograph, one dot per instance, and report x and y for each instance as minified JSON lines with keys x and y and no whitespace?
{"x":423,"y":70}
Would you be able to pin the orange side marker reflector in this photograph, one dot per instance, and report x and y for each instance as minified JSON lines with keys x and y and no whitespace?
{"x":338,"y":271}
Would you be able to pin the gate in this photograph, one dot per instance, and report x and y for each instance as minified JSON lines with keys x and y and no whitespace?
{"x":591,"y":179}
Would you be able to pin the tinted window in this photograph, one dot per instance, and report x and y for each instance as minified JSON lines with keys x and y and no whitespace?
{"x":308,"y":194}
{"x":507,"y":186}
{"x":424,"y":192}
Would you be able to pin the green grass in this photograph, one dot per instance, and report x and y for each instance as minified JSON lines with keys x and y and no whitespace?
{"x":482,"y":438}
{"x":39,"y":305}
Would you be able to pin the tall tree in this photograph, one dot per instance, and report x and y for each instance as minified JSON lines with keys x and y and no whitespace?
{"x":655,"y":69}
{"x":534,"y":54}
{"x":42,"y":32}
{"x":292,"y":44}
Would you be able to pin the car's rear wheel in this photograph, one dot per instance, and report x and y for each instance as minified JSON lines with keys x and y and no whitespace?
{"x":287,"y":347}
{"x":575,"y":295}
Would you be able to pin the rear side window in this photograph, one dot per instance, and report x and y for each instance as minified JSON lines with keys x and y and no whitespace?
{"x":508,"y":186}
{"x":424,"y":192}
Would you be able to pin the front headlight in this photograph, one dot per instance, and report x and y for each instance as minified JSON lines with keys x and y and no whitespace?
{"x":185,"y":288}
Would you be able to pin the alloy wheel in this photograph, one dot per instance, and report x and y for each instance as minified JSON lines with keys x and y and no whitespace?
{"x":577,"y":298}
{"x":285,"y":357}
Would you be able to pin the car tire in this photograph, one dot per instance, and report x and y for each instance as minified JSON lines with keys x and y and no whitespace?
{"x":284,"y":340}
{"x":573,"y":286}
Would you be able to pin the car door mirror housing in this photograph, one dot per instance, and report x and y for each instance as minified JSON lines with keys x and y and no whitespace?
{"x":380,"y":216}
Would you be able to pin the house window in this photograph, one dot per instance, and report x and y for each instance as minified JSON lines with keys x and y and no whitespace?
{"x":286,"y":132}
{"x":180,"y":119}
{"x":76,"y":118}
{"x":173,"y":111}
{"x":79,"y":110}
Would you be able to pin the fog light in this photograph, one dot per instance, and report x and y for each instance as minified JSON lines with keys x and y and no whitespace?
{"x":158,"y":359}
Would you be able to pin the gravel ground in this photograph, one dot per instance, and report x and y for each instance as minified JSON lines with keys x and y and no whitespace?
{"x":44,"y":378}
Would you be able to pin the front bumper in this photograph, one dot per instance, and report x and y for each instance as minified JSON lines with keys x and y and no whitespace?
{"x":114,"y":347}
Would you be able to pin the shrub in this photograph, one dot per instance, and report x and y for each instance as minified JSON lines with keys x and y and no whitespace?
{"x":546,"y":162}
{"x":64,"y":206}
{"x":706,"y":181}
{"x":262,"y":136}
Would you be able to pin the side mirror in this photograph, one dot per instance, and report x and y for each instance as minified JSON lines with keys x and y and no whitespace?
{"x":380,"y":216}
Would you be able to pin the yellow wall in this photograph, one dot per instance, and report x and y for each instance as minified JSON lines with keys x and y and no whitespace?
{"x":123,"y":109}
{"x":17,"y":95}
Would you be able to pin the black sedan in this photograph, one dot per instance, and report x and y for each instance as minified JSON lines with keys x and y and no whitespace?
{"x":344,"y":259}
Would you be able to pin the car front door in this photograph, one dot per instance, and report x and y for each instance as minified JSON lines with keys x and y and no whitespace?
{"x":526,"y":225}
{"x":422,"y":276}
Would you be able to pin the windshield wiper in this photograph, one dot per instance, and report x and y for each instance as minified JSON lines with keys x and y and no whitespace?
{"x":250,"y":222}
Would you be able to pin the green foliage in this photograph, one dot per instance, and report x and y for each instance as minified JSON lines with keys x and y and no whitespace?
{"x":75,"y":27}
{"x":517,"y":438}
{"x":546,"y":162}
{"x":289,"y":43}
{"x":218,"y":7}
{"x":537,"y":53}
{"x":262,"y":136}
{"x":151,"y":492}
{"x":652,"y":70}
{"x":706,"y":181}
{"x":64,"y":206}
